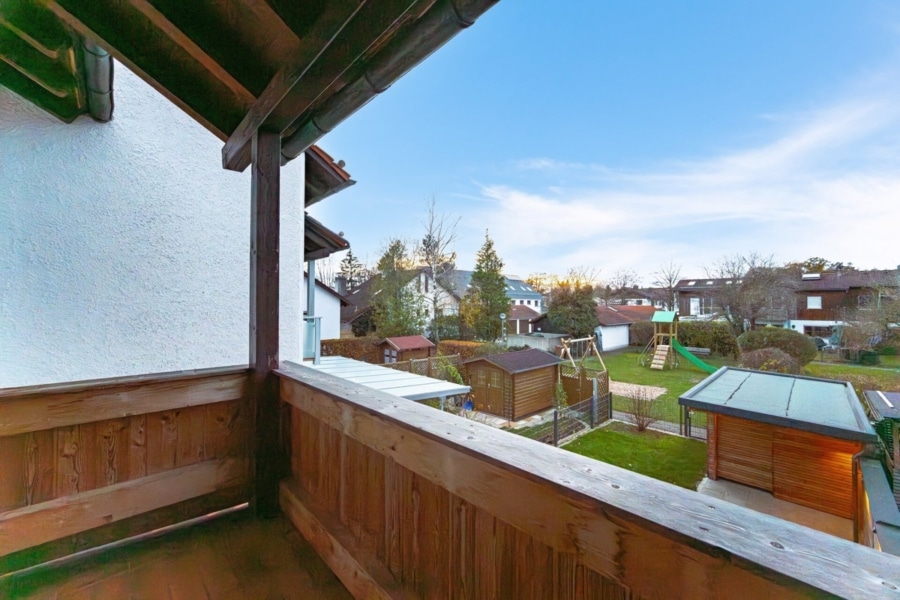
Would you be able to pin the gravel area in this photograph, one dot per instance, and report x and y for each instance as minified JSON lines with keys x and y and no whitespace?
{"x":627,"y":389}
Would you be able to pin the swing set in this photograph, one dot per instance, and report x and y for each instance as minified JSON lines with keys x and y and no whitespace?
{"x":591,"y":349}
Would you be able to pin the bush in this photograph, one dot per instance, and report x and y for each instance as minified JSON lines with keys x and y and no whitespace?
{"x":466,"y":350}
{"x":361,"y":348}
{"x":770,"y":359}
{"x":715,"y":335}
{"x":800,"y":347}
{"x":640,"y":333}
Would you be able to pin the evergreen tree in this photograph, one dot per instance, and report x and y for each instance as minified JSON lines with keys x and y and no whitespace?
{"x":487,"y":299}
{"x":398,"y":308}
{"x":352,"y":270}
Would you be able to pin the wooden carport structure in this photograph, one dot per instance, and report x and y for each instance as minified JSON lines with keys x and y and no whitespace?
{"x":399,"y":499}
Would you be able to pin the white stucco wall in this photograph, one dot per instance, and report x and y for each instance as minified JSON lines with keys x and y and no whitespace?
{"x":124,"y":247}
{"x":328,"y":306}
{"x":613,"y":337}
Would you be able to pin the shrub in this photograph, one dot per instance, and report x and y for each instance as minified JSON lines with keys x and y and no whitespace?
{"x":361,"y":348}
{"x":642,"y":408}
{"x":770,"y":359}
{"x":466,"y":350}
{"x":800,"y":347}
{"x":640,"y":333}
{"x":718,"y":336}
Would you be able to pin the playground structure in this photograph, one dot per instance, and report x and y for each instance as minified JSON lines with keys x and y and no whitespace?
{"x":584,"y":347}
{"x":664,"y":349}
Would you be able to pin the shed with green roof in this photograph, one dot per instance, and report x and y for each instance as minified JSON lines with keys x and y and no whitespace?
{"x":793,"y":436}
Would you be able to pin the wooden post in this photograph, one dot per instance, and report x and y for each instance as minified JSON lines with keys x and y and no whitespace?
{"x":264,"y":242}
{"x":556,"y":427}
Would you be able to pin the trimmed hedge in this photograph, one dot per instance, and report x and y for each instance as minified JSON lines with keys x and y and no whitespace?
{"x":360,"y":348}
{"x":715,"y":335}
{"x":800,"y":347}
{"x":770,"y":359}
{"x":640,"y":333}
{"x":466,"y":350}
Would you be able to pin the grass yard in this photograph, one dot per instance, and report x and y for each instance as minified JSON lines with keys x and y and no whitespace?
{"x":665,"y":457}
{"x":624,"y":367}
{"x":862,"y":378}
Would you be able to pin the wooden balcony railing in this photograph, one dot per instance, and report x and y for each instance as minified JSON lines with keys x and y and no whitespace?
{"x":403,"y":500}
{"x":84,"y":464}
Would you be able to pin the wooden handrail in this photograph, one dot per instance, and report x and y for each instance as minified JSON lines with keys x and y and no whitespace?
{"x":638,"y":533}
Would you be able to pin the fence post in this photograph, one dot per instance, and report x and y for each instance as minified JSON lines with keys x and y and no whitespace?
{"x":595,"y":397}
{"x":556,"y":428}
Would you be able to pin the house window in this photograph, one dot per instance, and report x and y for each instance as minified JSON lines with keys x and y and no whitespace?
{"x":814,"y":302}
{"x":701,"y":306}
{"x":817,"y":331}
{"x":390,"y":355}
{"x":495,"y":379}
{"x":521,"y":302}
{"x":479,"y":377}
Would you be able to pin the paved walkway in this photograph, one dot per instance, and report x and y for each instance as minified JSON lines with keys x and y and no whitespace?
{"x":620,"y":388}
{"x":765,"y":502}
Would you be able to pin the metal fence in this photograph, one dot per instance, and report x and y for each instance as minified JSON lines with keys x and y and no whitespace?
{"x":662,"y":416}
{"x":573,"y":420}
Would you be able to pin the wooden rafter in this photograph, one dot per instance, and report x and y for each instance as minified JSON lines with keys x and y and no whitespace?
{"x":283,"y":100}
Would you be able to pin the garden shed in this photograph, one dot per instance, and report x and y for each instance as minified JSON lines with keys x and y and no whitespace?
{"x":514,"y":385}
{"x":796,"y":437}
{"x":407,"y":347}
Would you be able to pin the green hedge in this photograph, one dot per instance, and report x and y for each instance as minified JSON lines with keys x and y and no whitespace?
{"x":715,"y":335}
{"x":800,"y":347}
{"x":640,"y":333}
{"x":360,"y":348}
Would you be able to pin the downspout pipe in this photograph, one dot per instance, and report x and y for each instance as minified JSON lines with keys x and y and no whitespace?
{"x":98,"y":68}
{"x":437,"y":26}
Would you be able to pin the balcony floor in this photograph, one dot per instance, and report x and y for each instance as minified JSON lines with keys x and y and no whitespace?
{"x":233,"y":557}
{"x":765,"y":502}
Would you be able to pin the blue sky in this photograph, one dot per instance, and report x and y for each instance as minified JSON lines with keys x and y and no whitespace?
{"x":624,"y":135}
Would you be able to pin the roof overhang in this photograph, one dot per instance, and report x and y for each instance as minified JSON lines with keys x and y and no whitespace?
{"x":321,"y":242}
{"x":235,"y":66}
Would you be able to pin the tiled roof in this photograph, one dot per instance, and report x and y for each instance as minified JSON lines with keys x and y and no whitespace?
{"x":636,"y":313}
{"x":409,"y":342}
{"x":609,"y":316}
{"x":520,"y":361}
{"x":515,"y":288}
{"x":845,"y":280}
{"x":520,"y":312}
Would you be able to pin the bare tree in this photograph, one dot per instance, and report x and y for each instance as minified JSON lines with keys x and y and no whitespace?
{"x":666,"y":278}
{"x":751,"y":287}
{"x":435,"y":253}
{"x":615,"y":289}
{"x":641,"y":407}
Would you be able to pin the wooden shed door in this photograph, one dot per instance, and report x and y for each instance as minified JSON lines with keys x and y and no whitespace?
{"x":745,"y":451}
{"x":815,"y":471}
{"x":494,"y":392}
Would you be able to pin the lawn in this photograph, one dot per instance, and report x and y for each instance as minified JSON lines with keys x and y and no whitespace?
{"x":862,"y":378}
{"x":665,"y":457}
{"x":624,"y":367}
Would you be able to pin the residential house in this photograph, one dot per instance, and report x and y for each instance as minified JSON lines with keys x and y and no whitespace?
{"x":638,"y":296}
{"x":696,"y":297}
{"x":90,"y":463}
{"x":361,"y":299}
{"x":824,"y":298}
{"x":518,"y":291}
{"x":614,"y":324}
{"x":327,"y":305}
{"x":519,"y":319}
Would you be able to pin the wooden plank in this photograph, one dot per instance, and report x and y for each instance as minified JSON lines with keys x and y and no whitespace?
{"x":47,"y":521}
{"x":333,"y":19}
{"x":162,"y":441}
{"x":744,"y":451}
{"x":48,"y":407}
{"x":40,"y":456}
{"x":638,"y":532}
{"x":354,"y":564}
{"x":265,"y":222}
{"x":13,"y":472}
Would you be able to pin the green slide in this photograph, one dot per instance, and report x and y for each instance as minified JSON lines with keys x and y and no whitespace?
{"x":691,"y":358}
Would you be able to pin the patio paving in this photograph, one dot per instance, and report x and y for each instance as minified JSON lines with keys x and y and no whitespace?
{"x":765,"y":502}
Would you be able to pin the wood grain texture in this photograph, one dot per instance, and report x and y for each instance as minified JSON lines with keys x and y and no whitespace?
{"x":626,"y":532}
{"x":41,"y":523}
{"x":46,"y":407}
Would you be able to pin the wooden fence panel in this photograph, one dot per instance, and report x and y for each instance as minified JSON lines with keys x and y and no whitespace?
{"x":122,"y":447}
{"x":464,"y":510}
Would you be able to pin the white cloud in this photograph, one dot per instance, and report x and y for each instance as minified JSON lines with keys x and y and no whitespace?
{"x":827,"y":185}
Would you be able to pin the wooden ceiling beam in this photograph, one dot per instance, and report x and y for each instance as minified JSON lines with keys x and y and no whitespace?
{"x":196,"y":52}
{"x":139,"y":44}
{"x":363,"y":27}
{"x":235,"y":154}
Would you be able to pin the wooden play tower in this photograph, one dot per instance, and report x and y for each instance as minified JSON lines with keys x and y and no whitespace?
{"x":665,"y":332}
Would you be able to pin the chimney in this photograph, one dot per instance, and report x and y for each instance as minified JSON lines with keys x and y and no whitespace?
{"x":340,"y":284}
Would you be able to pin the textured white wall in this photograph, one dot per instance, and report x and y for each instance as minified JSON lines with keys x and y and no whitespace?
{"x":613,"y":338}
{"x":124,"y":247}
{"x":329,"y":308}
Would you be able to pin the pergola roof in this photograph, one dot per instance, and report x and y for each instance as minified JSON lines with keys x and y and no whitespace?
{"x":392,"y":381}
{"x":236,"y":66}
